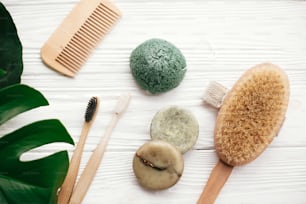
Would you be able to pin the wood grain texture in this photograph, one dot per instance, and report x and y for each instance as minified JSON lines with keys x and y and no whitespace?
{"x":220,"y":40}
{"x":217,"y":179}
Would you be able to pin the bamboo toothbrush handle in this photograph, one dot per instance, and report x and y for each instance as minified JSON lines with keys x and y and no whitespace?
{"x":92,"y":166}
{"x":217,"y":179}
{"x":67,"y":187}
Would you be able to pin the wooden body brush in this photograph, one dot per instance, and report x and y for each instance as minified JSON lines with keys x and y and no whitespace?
{"x":250,"y":117}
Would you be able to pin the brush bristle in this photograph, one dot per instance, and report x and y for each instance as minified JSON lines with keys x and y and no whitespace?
{"x":215,"y":94}
{"x":91,"y":109}
{"x":252,"y":114}
{"x":122,"y":103}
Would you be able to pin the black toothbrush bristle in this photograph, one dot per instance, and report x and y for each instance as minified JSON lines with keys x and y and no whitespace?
{"x":91,"y":109}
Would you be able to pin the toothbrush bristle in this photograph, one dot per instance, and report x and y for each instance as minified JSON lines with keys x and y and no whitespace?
{"x":91,"y":109}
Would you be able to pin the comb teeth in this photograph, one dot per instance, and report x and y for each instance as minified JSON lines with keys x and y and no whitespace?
{"x":69,"y":53}
{"x":85,"y":39}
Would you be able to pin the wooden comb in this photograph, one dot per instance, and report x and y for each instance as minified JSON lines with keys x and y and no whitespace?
{"x":69,"y":46}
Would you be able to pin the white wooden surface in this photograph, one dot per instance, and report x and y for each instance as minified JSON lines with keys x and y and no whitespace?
{"x":220,"y":40}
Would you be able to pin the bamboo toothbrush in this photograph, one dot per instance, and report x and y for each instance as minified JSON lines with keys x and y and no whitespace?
{"x":96,"y":157}
{"x":251,"y":115}
{"x":67,"y":187}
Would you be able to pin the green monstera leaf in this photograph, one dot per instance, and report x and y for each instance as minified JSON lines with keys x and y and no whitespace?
{"x":18,"y":99}
{"x":36,"y":181}
{"x":25,"y":182}
{"x":11,"y":65}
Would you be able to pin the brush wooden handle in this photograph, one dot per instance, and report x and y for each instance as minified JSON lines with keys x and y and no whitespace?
{"x":217,"y":179}
{"x":96,"y":157}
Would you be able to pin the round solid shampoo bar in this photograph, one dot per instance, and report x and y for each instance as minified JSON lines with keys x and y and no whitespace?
{"x":177,"y":126}
{"x":158,"y":165}
{"x":157,"y":65}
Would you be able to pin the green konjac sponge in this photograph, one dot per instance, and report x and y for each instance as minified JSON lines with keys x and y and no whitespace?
{"x":157,"y":65}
